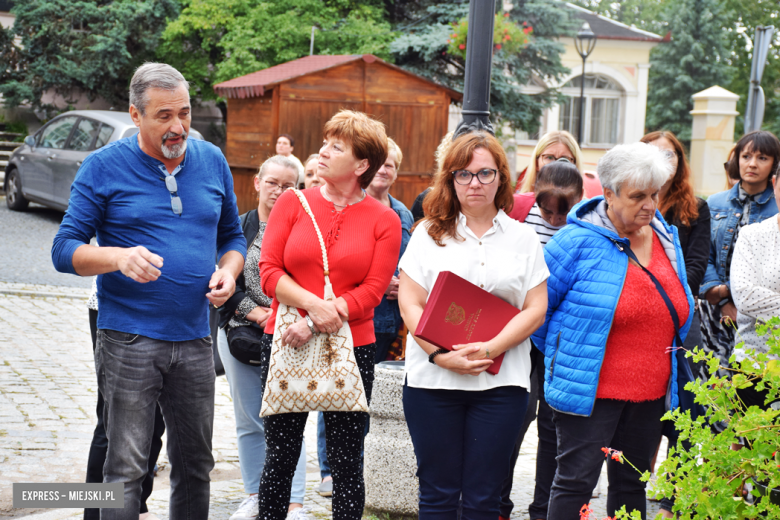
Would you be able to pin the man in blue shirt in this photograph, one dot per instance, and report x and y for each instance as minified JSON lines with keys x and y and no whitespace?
{"x":163,"y":209}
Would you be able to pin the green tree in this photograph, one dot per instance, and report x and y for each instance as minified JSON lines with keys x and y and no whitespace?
{"x":79,"y":46}
{"x":425,"y":27}
{"x":694,"y":60}
{"x":745,"y":17}
{"x":217,"y":40}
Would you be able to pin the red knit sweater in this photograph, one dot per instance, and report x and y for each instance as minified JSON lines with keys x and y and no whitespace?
{"x":362,"y":242}
{"x":636,"y":363}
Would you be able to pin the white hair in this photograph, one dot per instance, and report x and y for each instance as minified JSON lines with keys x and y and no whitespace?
{"x":153,"y":75}
{"x":279,"y":160}
{"x":637,"y":164}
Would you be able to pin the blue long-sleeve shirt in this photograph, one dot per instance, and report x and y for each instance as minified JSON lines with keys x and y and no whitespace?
{"x":119,"y":194}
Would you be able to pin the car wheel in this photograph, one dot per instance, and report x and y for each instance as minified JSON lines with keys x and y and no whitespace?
{"x":13,"y":192}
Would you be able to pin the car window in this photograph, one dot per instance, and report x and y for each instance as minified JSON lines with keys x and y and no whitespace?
{"x":56,"y":133}
{"x":84,"y":135}
{"x":130,"y":131}
{"x":104,"y":135}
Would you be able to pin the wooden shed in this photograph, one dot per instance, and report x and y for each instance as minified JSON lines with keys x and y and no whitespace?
{"x":300,"y":96}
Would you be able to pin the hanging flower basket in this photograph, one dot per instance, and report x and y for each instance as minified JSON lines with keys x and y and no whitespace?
{"x":507,"y":36}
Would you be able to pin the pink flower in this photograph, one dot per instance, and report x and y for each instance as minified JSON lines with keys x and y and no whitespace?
{"x":585,"y":512}
{"x":462,"y":46}
{"x":498,"y":47}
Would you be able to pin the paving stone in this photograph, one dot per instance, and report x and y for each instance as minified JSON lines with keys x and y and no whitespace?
{"x":47,"y":399}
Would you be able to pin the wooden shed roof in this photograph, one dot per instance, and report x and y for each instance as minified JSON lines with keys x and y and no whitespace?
{"x":257,"y":83}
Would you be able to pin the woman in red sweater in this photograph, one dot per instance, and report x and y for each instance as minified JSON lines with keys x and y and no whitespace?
{"x":362,"y":238}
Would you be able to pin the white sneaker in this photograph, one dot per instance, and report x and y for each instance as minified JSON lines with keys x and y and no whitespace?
{"x":248,"y":509}
{"x":597,"y":490}
{"x":302,"y":513}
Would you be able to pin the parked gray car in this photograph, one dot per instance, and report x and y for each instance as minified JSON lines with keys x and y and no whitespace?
{"x":43,"y":168}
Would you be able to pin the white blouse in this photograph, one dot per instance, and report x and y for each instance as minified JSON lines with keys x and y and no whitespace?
{"x":755,"y":281}
{"x":507,"y":262}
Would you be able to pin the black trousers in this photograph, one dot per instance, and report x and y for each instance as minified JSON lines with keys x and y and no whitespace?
{"x":633,"y":428}
{"x":99,"y":445}
{"x":344,"y":433}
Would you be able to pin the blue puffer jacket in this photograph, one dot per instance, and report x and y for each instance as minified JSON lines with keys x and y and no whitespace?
{"x":587,"y":272}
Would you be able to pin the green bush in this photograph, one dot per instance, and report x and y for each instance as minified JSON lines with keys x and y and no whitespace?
{"x":713,"y":480}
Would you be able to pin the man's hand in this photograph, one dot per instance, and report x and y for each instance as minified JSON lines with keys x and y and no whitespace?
{"x":392,"y":289}
{"x":222,"y":286}
{"x":139,"y":264}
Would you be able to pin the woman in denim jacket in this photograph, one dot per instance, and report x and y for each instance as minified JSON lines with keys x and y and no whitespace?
{"x":756,"y":157}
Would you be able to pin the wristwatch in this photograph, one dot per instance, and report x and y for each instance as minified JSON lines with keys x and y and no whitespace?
{"x":310,"y":324}
{"x":436,"y":353}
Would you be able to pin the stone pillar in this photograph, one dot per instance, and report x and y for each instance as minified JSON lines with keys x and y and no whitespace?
{"x":712,"y":137}
{"x":390,"y":465}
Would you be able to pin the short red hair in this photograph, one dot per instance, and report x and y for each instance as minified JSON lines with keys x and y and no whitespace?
{"x":366,"y":137}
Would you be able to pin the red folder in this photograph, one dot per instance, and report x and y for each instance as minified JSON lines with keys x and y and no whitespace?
{"x":459,"y":312}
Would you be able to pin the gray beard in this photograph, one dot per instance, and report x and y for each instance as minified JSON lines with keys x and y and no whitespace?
{"x":177,"y":150}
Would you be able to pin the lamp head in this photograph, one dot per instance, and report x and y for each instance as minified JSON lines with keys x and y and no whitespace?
{"x":585,"y":41}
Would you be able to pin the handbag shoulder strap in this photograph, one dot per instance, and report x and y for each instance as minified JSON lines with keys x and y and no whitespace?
{"x":669,"y":306}
{"x":307,"y":209}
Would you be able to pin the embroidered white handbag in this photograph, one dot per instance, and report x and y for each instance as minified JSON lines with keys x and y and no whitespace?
{"x":320,"y":376}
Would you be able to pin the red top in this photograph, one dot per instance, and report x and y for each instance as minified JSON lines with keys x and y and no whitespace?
{"x":362,"y":242}
{"x":637,"y":364}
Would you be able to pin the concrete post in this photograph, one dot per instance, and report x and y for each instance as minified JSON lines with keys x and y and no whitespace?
{"x":389,"y":462}
{"x":712,"y":137}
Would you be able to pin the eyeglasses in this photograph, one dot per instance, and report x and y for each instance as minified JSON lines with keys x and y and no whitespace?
{"x":548,"y":158}
{"x":484,"y":176}
{"x":276,"y":187}
{"x":669,"y":154}
{"x":170,"y":183}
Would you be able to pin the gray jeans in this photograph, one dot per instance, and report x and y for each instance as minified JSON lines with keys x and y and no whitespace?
{"x":134,"y":373}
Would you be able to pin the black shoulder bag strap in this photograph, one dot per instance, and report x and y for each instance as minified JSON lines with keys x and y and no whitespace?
{"x":675,"y":319}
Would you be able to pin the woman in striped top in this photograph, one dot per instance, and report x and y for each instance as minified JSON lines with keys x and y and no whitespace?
{"x":558,"y":188}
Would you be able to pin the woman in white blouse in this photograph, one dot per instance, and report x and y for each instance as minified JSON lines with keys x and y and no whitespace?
{"x":755,"y":285}
{"x":462,"y":420}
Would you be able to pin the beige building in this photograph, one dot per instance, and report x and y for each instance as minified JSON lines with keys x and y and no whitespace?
{"x":616,"y":81}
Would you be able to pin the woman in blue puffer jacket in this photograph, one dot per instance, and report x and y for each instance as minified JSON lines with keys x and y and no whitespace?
{"x":609,"y":336}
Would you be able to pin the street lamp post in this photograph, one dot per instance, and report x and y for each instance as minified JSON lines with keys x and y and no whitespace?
{"x":585,"y":42}
{"x":479,"y":60}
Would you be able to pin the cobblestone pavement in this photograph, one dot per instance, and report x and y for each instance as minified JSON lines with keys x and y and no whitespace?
{"x":47,"y":400}
{"x":25,"y":246}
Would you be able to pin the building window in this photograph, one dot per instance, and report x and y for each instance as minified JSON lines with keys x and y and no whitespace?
{"x":602,"y":109}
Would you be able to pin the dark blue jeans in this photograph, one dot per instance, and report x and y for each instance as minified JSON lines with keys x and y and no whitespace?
{"x":463,"y":441}
{"x":633,"y":428}
{"x":134,"y":374}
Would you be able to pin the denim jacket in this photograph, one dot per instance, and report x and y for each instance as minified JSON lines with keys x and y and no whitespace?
{"x":726,"y":210}
{"x":387,"y":315}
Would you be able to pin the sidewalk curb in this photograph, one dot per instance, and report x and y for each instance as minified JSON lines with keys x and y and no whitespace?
{"x":42,"y":294}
